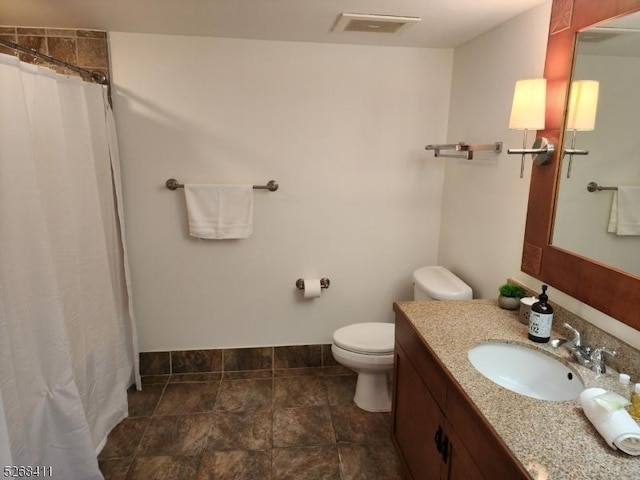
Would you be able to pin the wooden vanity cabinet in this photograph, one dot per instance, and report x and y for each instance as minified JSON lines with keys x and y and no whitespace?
{"x":436,"y":428}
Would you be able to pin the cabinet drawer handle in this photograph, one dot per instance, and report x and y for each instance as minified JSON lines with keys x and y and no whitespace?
{"x":445,"y":449}
{"x":438,"y":439}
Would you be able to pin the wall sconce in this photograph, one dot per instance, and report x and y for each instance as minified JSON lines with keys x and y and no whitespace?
{"x":527,"y":113}
{"x":581,"y":116}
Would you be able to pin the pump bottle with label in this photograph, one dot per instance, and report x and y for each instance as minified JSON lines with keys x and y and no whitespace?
{"x":541,"y":318}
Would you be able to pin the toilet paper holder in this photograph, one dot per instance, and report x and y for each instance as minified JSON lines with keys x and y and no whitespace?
{"x":324,"y":283}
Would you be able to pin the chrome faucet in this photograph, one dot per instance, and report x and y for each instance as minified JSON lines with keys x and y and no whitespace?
{"x":585,"y":356}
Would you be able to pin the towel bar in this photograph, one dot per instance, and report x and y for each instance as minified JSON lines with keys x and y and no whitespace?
{"x":594,"y":187}
{"x":272,"y":185}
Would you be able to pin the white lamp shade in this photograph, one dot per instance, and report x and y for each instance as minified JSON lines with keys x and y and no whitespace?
{"x":583,"y":105}
{"x":529,"y":103}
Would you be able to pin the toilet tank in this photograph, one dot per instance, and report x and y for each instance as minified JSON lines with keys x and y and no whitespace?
{"x":438,"y":283}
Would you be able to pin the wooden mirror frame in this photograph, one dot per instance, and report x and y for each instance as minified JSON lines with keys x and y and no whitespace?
{"x":610,"y":290}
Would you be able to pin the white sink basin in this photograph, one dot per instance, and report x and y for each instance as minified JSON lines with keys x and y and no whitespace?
{"x":526,"y":371}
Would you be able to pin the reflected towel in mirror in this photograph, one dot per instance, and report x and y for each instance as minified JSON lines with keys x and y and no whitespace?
{"x":625,"y":211}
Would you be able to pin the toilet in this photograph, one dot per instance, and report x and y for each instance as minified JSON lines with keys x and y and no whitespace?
{"x":367,"y":348}
{"x":438,"y":283}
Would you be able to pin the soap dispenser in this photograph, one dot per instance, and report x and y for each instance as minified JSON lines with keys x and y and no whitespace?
{"x":541,"y":318}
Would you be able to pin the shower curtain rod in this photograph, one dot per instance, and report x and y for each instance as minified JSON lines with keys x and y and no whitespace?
{"x":97,"y":77}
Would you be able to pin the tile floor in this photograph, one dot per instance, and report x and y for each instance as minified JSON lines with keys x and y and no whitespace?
{"x":298,"y":424}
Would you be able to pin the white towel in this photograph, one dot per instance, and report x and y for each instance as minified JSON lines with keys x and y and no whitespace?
{"x":625,"y":211}
{"x":219,"y":211}
{"x":613,"y":216}
{"x":617,"y":427}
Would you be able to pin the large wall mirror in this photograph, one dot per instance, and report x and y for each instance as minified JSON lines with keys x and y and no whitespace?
{"x":596,"y":215}
{"x":570,"y":238}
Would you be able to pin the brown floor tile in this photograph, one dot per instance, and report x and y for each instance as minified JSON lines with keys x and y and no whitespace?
{"x":302,"y":427}
{"x":245,"y":395}
{"x":354,"y":425}
{"x":236,"y":465}
{"x":337,"y":370}
{"x":299,"y":392}
{"x":248,"y":430}
{"x":175,"y":435}
{"x":299,"y":372}
{"x":143,"y":403}
{"x":115,"y":468}
{"x":289,"y":423}
{"x":308,"y":463}
{"x":341,"y":389}
{"x":196,"y":377}
{"x":164,"y":468}
{"x":154,"y":379}
{"x":370,"y":462}
{"x":124,"y":439}
{"x":185,"y":398}
{"x":247,"y":374}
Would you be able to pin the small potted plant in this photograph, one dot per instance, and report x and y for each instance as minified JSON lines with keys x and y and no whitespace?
{"x":510,"y":296}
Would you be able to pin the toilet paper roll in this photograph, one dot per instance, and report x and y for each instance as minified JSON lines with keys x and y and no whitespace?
{"x":312,"y":288}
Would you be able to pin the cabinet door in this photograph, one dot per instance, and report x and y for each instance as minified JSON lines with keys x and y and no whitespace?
{"x":485,"y":447}
{"x":458,"y":463}
{"x":417,"y":420}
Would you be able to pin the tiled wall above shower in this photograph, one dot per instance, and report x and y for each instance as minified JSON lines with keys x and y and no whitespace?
{"x":87,"y":49}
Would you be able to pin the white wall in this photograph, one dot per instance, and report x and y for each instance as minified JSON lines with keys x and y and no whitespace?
{"x":485,"y":202}
{"x":342,"y":128}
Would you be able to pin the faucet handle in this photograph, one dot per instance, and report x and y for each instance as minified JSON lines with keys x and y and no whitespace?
{"x":577,"y":339}
{"x":598,"y":365}
{"x":597,"y":352}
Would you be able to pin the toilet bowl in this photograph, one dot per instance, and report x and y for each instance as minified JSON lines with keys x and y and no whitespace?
{"x":367,"y":348}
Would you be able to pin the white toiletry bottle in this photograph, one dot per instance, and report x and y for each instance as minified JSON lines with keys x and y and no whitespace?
{"x":625,"y":387}
{"x":541,"y":318}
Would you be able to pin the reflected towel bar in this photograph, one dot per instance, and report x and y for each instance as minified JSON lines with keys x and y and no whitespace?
{"x":272,"y":185}
{"x":594,"y":187}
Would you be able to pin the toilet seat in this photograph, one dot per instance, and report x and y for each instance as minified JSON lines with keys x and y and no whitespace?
{"x":368,"y":338}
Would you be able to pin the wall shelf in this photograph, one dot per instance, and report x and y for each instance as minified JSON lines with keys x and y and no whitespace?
{"x":462,"y":150}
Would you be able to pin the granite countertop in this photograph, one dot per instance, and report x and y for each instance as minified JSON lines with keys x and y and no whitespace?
{"x":552,"y":440}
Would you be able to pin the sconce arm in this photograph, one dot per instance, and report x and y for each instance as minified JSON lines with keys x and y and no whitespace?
{"x":542,"y":151}
{"x":575,"y":151}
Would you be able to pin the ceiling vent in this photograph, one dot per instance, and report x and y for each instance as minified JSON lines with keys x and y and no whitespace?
{"x":362,"y":22}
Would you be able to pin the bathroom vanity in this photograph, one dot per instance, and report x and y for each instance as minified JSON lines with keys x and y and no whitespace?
{"x":450,"y":422}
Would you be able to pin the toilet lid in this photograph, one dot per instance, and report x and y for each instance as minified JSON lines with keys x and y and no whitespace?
{"x":371,"y":337}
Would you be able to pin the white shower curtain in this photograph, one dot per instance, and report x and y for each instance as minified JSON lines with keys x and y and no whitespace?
{"x":68,"y":346}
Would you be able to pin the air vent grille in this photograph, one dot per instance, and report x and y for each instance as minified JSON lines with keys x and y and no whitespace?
{"x":359,"y":22}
